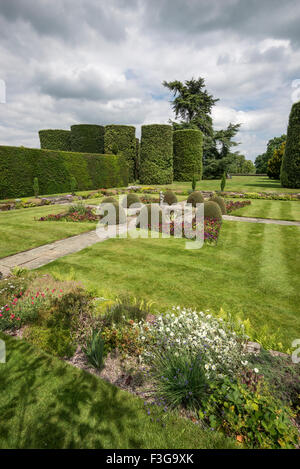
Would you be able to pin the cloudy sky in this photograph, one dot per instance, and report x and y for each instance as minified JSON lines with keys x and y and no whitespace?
{"x":96,"y":61}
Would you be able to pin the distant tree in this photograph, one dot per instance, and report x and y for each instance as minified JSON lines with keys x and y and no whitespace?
{"x":290,"y":168}
{"x":274,"y":163}
{"x":248,"y":167}
{"x":261,"y":162}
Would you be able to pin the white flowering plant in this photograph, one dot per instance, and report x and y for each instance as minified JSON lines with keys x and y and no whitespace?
{"x":221,"y":349}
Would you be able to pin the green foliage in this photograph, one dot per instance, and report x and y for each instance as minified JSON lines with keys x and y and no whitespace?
{"x":55,"y":139}
{"x":223,"y":181}
{"x":156,"y":154}
{"x":194,"y":182}
{"x":179,"y":378}
{"x":220,"y":201}
{"x":274,"y":163}
{"x":78,"y":207}
{"x":125,"y":309}
{"x":122,"y":138}
{"x":36,"y":187}
{"x":195,"y":198}
{"x":94,"y":349}
{"x":55,"y":340}
{"x":54,"y":170}
{"x":87,"y":138}
{"x":212,"y":210}
{"x":73,"y":184}
{"x":130,"y":199}
{"x":261,"y":162}
{"x":114,"y":214}
{"x":260,"y":420}
{"x":188,"y":152}
{"x":170,"y":198}
{"x":149,"y":214}
{"x":290,"y":169}
{"x":109,"y":200}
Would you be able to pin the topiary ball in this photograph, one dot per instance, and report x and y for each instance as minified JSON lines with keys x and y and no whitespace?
{"x":212,"y":210}
{"x":195,"y":198}
{"x":149,"y":214}
{"x":116,"y":218}
{"x":170,"y":198}
{"x":220,"y":201}
{"x":109,"y":200}
{"x":130,"y":200}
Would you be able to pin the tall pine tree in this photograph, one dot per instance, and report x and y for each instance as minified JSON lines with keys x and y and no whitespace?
{"x":290,"y":168}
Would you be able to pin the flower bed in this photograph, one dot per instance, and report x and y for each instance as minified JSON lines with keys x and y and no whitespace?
{"x":231,"y":205}
{"x":88,"y":216}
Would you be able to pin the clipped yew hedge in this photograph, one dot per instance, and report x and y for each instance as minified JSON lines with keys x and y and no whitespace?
{"x":290,"y":166}
{"x":55,"y":139}
{"x":55,"y":170}
{"x":87,"y":138}
{"x":188,"y":153}
{"x":121,"y":138}
{"x":156,"y":154}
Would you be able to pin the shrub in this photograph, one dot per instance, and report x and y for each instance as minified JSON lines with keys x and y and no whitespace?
{"x":114,"y":214}
{"x":122,"y":137}
{"x":150,"y":214}
{"x":156,"y":154}
{"x":130,"y":200}
{"x":36,"y":188}
{"x":188,"y":154}
{"x":55,"y":139}
{"x":170,"y":198}
{"x":290,"y":168}
{"x":274,"y":163}
{"x":73,"y":184}
{"x":55,"y":340}
{"x":54,"y":170}
{"x":220,"y":201}
{"x":223,"y":181}
{"x":212,"y":210}
{"x":87,"y":138}
{"x":79,"y":208}
{"x":94,"y":349}
{"x":179,"y":378}
{"x":195,"y":198}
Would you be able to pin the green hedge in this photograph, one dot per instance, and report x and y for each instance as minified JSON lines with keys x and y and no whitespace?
{"x":156,"y":154}
{"x":87,"y":138}
{"x":55,"y":139}
{"x":55,"y":169}
{"x":290,"y":167}
{"x":137,"y":160}
{"x":188,"y":153}
{"x":121,"y":138}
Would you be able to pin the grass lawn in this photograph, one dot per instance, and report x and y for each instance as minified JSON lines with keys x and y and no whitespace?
{"x":276,"y":209}
{"x":253,"y":269}
{"x":237,"y":183}
{"x":46,"y":403}
{"x":19,"y":231}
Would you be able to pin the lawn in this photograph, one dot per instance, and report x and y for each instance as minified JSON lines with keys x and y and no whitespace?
{"x":19,"y":231}
{"x":237,"y":183}
{"x":46,"y":403}
{"x":253,"y":269}
{"x":275,"y":209}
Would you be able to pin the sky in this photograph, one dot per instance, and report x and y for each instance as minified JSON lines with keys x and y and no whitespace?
{"x":93,"y":61}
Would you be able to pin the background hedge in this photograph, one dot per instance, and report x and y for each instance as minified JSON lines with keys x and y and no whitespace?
{"x":55,"y":169}
{"x":87,"y":138}
{"x":122,"y":138}
{"x":187,"y":154}
{"x":137,"y":160}
{"x":156,"y":154}
{"x":290,"y":168}
{"x":55,"y":139}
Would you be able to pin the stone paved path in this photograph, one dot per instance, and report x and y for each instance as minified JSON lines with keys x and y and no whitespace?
{"x":43,"y":255}
{"x":267,"y":221}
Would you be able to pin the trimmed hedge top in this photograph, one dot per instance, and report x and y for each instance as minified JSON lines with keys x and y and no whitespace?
{"x":55,"y":170}
{"x":121,"y":138}
{"x":55,"y":139}
{"x":188,"y":153}
{"x":156,"y":154}
{"x":87,"y":138}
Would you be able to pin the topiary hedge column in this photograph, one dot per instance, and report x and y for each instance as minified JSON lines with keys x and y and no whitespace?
{"x":121,"y":138}
{"x":187,"y":155}
{"x":87,"y":138}
{"x":290,"y":168}
{"x":156,"y":154}
{"x":55,"y":139}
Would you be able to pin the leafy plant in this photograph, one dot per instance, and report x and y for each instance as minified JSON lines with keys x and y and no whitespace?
{"x":94,"y":349}
{"x":73,"y":184}
{"x":79,"y":208}
{"x":125,"y":309}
